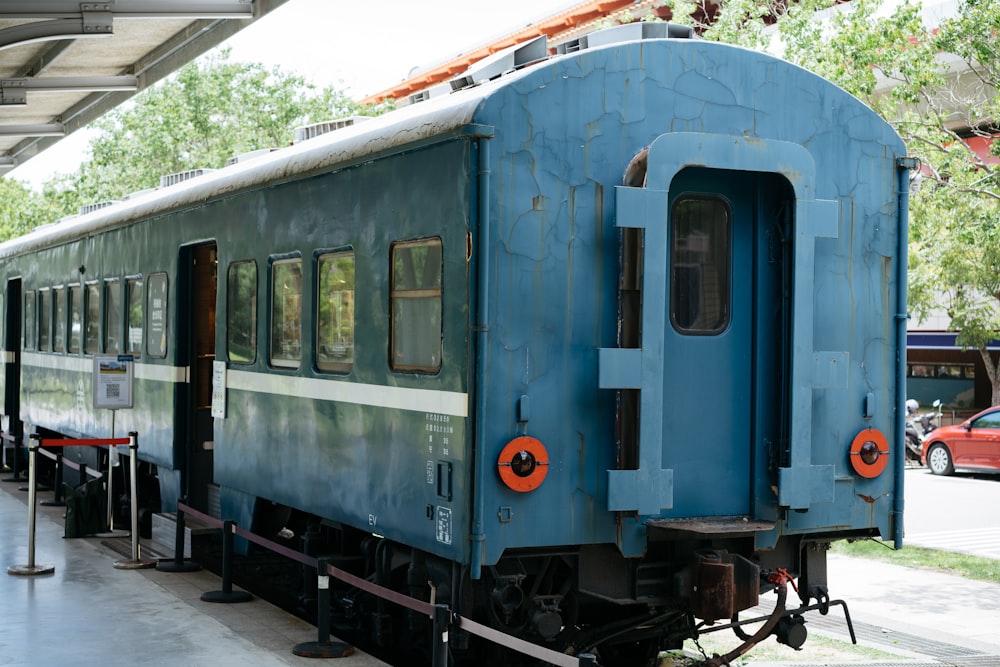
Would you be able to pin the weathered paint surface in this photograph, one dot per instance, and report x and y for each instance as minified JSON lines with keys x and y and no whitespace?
{"x":369,"y":448}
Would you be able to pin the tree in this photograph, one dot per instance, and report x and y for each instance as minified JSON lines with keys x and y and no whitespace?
{"x":22,"y":209}
{"x":938,"y":86}
{"x":208,"y":111}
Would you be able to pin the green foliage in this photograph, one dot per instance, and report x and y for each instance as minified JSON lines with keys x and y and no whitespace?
{"x":905,"y":70}
{"x":208,"y":111}
{"x":21,"y":209}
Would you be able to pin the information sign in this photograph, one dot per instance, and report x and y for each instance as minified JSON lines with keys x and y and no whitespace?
{"x":113,"y":381}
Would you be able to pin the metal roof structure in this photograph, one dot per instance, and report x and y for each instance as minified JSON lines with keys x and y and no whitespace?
{"x":573,"y":21}
{"x":64,"y":63}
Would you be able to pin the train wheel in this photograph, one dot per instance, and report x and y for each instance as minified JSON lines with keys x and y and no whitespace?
{"x":939,"y":460}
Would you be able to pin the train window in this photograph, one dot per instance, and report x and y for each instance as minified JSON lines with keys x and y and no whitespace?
{"x":30,"y":330}
{"x":44,"y":320}
{"x":156,"y":307}
{"x":286,"y":313}
{"x":75,"y":318}
{"x":335,"y":312}
{"x":241,"y":312}
{"x":700,"y":256}
{"x":59,"y":325}
{"x":416,"y":306}
{"x":112,"y":317}
{"x":92,"y":321}
{"x":133,"y":322}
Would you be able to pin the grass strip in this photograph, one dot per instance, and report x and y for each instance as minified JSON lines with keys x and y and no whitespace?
{"x":962,"y":565}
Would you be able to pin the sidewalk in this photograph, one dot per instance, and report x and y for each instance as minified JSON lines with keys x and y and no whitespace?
{"x":927,"y":618}
{"x":933,"y":605}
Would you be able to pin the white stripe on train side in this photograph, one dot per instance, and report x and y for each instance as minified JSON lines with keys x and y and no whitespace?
{"x":455,"y":404}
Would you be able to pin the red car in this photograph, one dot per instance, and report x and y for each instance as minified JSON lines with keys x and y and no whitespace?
{"x":974,"y":444}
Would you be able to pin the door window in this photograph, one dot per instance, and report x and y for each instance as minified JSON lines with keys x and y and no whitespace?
{"x":700,"y":257}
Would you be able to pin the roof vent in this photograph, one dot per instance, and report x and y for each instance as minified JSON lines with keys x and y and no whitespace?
{"x":502,"y":62}
{"x":96,"y":206}
{"x":251,"y":155}
{"x":181,"y":176}
{"x":307,"y":132}
{"x":426,"y":94}
{"x":630,"y":32}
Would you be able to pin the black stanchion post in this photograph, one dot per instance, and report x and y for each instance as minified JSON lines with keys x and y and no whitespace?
{"x":178,"y":564}
{"x":137,"y":561}
{"x":439,"y":648}
{"x":57,"y":499}
{"x":227,"y":594}
{"x":31,"y":567}
{"x":323,"y":647}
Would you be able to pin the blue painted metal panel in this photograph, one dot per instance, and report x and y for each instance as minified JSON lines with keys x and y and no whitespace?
{"x":544,"y":216}
{"x":552,"y":290}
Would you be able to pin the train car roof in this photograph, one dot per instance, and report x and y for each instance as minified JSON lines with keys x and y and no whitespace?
{"x":408,"y":127}
{"x":400,"y":128}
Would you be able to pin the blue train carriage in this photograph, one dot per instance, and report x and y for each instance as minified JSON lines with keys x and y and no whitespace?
{"x":694,"y":378}
{"x":611,"y":338}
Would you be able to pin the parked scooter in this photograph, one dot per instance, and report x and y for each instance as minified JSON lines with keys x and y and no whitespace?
{"x":918,"y":426}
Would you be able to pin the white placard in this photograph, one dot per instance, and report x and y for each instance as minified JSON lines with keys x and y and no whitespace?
{"x":113,"y":381}
{"x":219,"y":389}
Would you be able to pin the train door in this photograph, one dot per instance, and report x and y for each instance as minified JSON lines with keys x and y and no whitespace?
{"x":701,"y":303}
{"x":11,"y":312}
{"x":708,"y":341}
{"x":197,"y":292}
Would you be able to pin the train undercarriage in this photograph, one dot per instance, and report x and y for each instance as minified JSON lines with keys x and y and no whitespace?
{"x":568,"y":600}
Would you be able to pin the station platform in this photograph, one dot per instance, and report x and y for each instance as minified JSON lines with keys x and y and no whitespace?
{"x":87,"y":612}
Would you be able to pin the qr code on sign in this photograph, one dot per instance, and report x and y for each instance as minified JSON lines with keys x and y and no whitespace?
{"x":113,"y":391}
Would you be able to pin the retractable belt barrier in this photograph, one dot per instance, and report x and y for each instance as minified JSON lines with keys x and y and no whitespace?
{"x":61,"y":462}
{"x":36,"y":442}
{"x":441,"y":615}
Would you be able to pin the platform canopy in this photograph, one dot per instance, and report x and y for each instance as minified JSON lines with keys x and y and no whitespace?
{"x":64,"y":63}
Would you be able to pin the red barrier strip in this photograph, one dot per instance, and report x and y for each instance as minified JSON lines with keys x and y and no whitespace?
{"x":418,"y":606}
{"x":413,"y":604}
{"x":297,"y":556}
{"x":204,"y":518}
{"x":519,"y":645}
{"x":85,"y":442}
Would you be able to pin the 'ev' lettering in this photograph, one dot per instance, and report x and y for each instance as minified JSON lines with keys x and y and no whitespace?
{"x":372,"y":520}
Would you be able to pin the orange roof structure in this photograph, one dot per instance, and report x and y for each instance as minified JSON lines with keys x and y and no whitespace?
{"x":561,"y":25}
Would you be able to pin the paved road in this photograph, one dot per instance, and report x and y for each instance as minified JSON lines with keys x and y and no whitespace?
{"x":956,"y":513}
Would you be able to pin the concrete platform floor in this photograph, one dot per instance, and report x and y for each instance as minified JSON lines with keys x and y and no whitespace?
{"x":87,"y":612}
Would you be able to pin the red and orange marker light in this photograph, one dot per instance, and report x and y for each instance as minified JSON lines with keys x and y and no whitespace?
{"x":869,"y":452}
{"x":523,"y":464}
